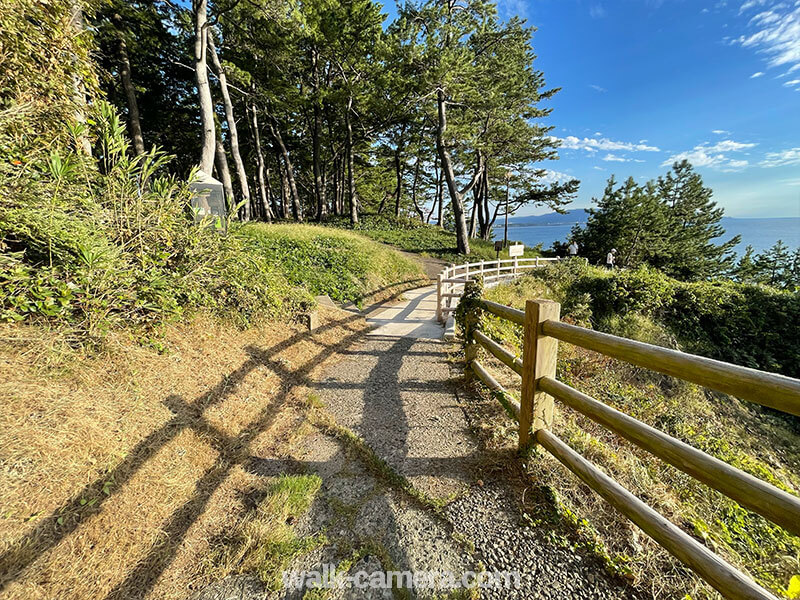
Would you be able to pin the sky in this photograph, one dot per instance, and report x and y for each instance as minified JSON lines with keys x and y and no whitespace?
{"x":647,"y":82}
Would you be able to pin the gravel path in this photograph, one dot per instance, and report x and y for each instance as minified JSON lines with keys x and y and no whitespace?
{"x":395,"y":390}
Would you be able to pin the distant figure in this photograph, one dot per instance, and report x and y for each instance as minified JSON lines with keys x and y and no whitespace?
{"x":573,"y":249}
{"x":610,"y":258}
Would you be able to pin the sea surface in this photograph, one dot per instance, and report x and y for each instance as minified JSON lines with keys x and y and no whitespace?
{"x":759,"y":233}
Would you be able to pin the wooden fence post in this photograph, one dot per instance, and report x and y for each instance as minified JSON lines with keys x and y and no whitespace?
{"x":471,"y":322}
{"x":538,"y":360}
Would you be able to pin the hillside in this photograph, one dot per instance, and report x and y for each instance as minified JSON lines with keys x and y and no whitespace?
{"x":412,"y":235}
{"x":569,"y":217}
{"x":650,"y":307}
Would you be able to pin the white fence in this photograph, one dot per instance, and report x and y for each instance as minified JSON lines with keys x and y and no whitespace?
{"x":450,"y":285}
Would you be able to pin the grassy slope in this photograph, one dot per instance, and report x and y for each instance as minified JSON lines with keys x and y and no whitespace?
{"x":346,"y":266}
{"x":162,"y":427}
{"x":413,"y":236}
{"x":755,"y":440}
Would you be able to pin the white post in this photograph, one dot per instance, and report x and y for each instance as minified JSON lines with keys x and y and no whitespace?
{"x":537,"y":261}
{"x":450,"y":286}
{"x":515,"y":266}
{"x":439,"y":298}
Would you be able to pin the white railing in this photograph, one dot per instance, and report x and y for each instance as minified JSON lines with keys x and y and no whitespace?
{"x":450,"y":285}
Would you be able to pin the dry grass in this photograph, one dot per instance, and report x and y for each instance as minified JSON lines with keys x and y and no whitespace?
{"x":120,"y":471}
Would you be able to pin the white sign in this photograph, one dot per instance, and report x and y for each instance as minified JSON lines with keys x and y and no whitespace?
{"x":516,"y":250}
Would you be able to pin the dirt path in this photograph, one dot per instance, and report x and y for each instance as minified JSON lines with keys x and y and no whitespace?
{"x":407,"y":485}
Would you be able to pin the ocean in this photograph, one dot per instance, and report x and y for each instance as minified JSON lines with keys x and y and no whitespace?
{"x":759,"y":233}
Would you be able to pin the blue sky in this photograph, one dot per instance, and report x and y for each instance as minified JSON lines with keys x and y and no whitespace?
{"x":645,"y":82}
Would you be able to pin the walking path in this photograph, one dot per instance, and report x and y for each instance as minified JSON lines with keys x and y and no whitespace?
{"x":460,"y":508}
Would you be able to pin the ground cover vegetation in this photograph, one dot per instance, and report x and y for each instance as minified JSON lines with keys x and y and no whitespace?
{"x":644,"y":304}
{"x":412,"y":235}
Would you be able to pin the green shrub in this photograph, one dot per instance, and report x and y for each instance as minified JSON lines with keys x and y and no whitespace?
{"x":109,"y":241}
{"x":750,"y":325}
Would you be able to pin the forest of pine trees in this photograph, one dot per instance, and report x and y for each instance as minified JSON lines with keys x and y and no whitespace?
{"x":310,"y":110}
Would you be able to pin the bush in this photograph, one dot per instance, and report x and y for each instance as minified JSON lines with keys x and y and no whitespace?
{"x":750,"y":325}
{"x":108,"y":241}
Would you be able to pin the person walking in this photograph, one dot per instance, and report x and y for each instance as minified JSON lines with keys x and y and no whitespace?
{"x":610,"y":257}
{"x":573,"y":249}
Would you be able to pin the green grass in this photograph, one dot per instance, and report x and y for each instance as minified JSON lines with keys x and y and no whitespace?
{"x":346,"y":266}
{"x":265,"y":542}
{"x":412,"y":235}
{"x":760,"y":442}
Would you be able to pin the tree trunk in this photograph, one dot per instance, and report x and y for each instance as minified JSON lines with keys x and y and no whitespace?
{"x":231,"y":120}
{"x":285,"y":193}
{"x":398,"y":169}
{"x":351,"y":184}
{"x":414,"y":191}
{"x":456,"y":195}
{"x":262,"y":184}
{"x":472,"y":221}
{"x":316,"y":151}
{"x":224,"y":173}
{"x":480,"y":227}
{"x":440,"y":192}
{"x":78,"y":91}
{"x":200,"y":8}
{"x":486,"y":234}
{"x":336,"y":186}
{"x":297,"y":209}
{"x":134,"y":122}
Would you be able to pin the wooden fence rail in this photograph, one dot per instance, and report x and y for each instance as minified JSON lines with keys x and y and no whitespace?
{"x":542,"y":330}
{"x":453,"y":278}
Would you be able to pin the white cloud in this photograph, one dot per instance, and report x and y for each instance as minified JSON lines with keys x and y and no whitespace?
{"x":614,"y":158}
{"x":594,"y":144}
{"x":730,"y":146}
{"x":596,"y":11}
{"x":792,"y":182}
{"x":792,"y":83}
{"x":720,"y":132}
{"x":598,"y":88}
{"x":756,"y":75}
{"x":782,"y":158}
{"x":713,"y":156}
{"x":774,"y":32}
{"x":596,"y":168}
{"x":751,"y":4}
{"x":555,"y":176}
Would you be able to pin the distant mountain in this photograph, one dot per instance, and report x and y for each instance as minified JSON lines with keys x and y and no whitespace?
{"x":576,"y":215}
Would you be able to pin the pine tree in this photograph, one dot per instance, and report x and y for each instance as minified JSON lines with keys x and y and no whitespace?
{"x":793,"y":279}
{"x":775,"y":265}
{"x":746,"y":270}
{"x":628,"y":218}
{"x":693,"y":223}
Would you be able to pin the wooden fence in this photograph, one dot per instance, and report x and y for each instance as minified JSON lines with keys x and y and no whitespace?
{"x":453,"y":278}
{"x":537,"y":367}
